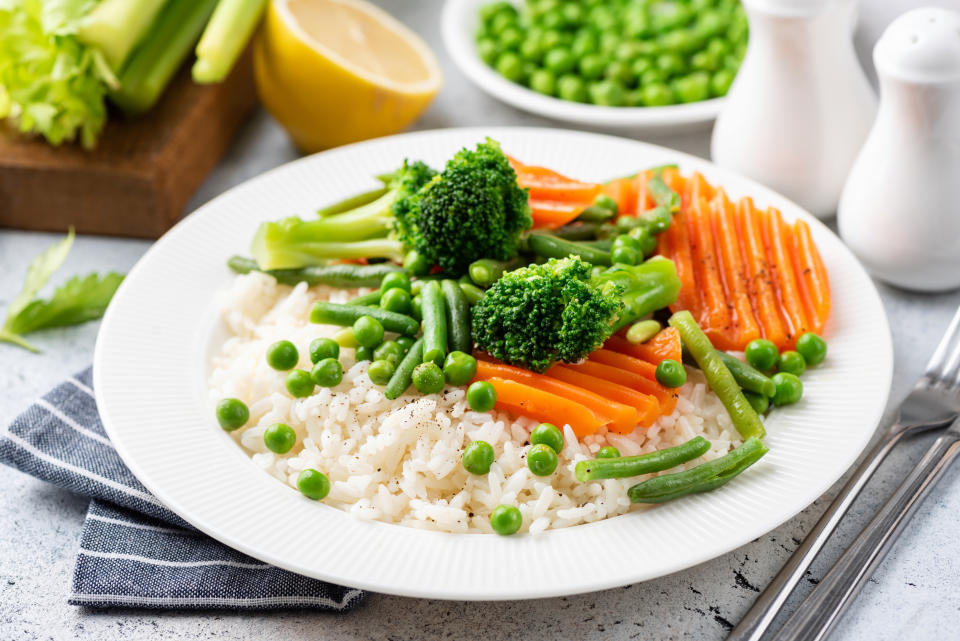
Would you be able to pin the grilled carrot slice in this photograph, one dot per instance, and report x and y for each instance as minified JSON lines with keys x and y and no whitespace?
{"x":715,"y":317}
{"x":676,"y":247}
{"x":734,"y":276}
{"x":812,"y":274}
{"x":527,"y":400}
{"x":646,"y":408}
{"x":666,"y":398}
{"x":760,"y":286}
{"x":623,"y":417}
{"x":791,"y":304}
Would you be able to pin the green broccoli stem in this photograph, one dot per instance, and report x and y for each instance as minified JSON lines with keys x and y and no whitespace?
{"x":645,"y":288}
{"x":292,"y":243}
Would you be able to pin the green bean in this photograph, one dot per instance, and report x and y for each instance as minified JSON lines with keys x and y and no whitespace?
{"x":662,"y":194}
{"x":747,"y":377}
{"x":603,"y":244}
{"x":702,"y":478}
{"x":627,"y":466}
{"x":577,"y":231}
{"x":458,"y":317}
{"x":366,"y":299}
{"x":434,"y":323}
{"x":721,"y":381}
{"x":486,"y":271}
{"x":352,"y":202}
{"x":553,"y":247}
{"x":346,"y":315}
{"x":596,"y":214}
{"x":340,"y":275}
{"x":403,"y":375}
{"x":472,"y":292}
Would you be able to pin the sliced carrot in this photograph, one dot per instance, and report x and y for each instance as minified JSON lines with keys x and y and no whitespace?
{"x":735,"y":283}
{"x":812,"y":274}
{"x":699,"y":188}
{"x":558,"y":187}
{"x":623,"y":191}
{"x":622,"y":416}
{"x":675,"y":245}
{"x":781,"y":264}
{"x":666,"y":398}
{"x":666,"y":344}
{"x":715,"y":318}
{"x":646,"y":408}
{"x":760,"y":286}
{"x":552,"y":214}
{"x":624,"y":361}
{"x":644,"y":200}
{"x":677,"y":183}
{"x":526,"y":400}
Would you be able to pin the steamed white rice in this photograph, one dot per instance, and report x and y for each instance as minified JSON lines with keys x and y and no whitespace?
{"x":399,"y":461}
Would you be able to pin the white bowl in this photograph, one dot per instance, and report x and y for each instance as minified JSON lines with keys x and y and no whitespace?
{"x":459,"y":25}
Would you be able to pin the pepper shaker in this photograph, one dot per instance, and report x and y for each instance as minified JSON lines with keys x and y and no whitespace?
{"x":800,"y":106}
{"x":900,"y":210}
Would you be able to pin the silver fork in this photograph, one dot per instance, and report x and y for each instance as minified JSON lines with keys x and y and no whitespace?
{"x":933,"y":403}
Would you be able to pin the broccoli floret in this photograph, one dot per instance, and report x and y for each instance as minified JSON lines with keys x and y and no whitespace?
{"x":540,"y":314}
{"x":473,"y":209}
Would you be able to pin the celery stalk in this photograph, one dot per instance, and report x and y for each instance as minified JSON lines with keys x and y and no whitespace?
{"x":156,"y":60}
{"x":224,"y":38}
{"x":115,"y":27}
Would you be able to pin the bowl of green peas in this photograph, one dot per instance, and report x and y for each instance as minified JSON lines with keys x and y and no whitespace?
{"x":637,"y":64}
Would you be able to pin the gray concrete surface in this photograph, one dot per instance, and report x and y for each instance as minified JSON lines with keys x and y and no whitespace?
{"x":915,"y":594}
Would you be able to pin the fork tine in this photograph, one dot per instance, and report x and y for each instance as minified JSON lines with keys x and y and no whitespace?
{"x":946,"y":352}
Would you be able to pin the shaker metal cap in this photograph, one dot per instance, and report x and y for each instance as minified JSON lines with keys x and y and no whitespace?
{"x":922,"y":46}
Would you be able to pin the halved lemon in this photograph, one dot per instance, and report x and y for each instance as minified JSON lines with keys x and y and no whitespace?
{"x":337,"y":71}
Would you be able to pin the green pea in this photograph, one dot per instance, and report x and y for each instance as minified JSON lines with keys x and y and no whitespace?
{"x":550,"y":39}
{"x":608,"y":451}
{"x":680,"y":41}
{"x":282,"y":356}
{"x":607,"y":93}
{"x":624,"y":240}
{"x":584,"y":44}
{"x":606,"y":202}
{"x":543,"y":81}
{"x":531,"y":49}
{"x":670,"y":373}
{"x":362,"y":353}
{"x":669,"y":15}
{"x":573,"y":13}
{"x":327,"y":372}
{"x":692,"y":88}
{"x":621,"y":72}
{"x":368,"y":331}
{"x":559,"y":60}
{"x":657,"y":95}
{"x":481,"y":396}
{"x":299,"y":383}
{"x":813,"y":348}
{"x":570,"y":87}
{"x":501,"y":22}
{"x":624,"y":255}
{"x":547,"y":434}
{"x":670,"y":64}
{"x":321,"y":348}
{"x":510,"y":38}
{"x":761,"y":354}
{"x":428,"y":378}
{"x":510,"y":66}
{"x":637,"y":26}
{"x":279,"y":438}
{"x":459,"y":368}
{"x":489,"y":11}
{"x":388,"y":351}
{"x":542,"y":460}
{"x":640,"y":66}
{"x":405,"y":343}
{"x":704,"y":61}
{"x":789,"y":389}
{"x":381,"y":371}
{"x":478,"y":457}
{"x":592,"y":66}
{"x":232,"y":414}
{"x":313,"y":484}
{"x":627,"y":51}
{"x":506,"y":520}
{"x":791,"y":362}
{"x":652,"y":76}
{"x":758,"y":402}
{"x":395,"y":280}
{"x":604,"y":19}
{"x":658,"y":220}
{"x":718,"y":47}
{"x":396,"y":300}
{"x":720,"y":82}
{"x":609,"y":41}
{"x":647,"y":243}
{"x":416,"y":263}
{"x":711,"y":23}
{"x":488,"y":49}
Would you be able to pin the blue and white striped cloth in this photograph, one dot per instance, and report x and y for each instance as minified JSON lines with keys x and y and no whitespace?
{"x":134,"y":552}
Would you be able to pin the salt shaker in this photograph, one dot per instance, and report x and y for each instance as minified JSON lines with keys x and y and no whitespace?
{"x":800,"y":106}
{"x":900,"y":210}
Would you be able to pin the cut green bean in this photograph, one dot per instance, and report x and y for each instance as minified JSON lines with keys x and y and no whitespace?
{"x":472,"y":292}
{"x":553,"y":247}
{"x":627,"y":466}
{"x":373,"y":298}
{"x":596,"y":214}
{"x":327,"y":313}
{"x":747,"y":377}
{"x":721,"y":381}
{"x":486,"y":271}
{"x":341,"y":275}
{"x":458,"y":317}
{"x":702,"y":478}
{"x":403,"y":375}
{"x":434,"y":323}
{"x":352,"y":202}
{"x":577,"y":231}
{"x":642,"y":331}
{"x":663,"y":195}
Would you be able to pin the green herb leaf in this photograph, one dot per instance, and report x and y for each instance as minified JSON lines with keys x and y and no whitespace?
{"x":79,"y":300}
{"x":39,"y":272}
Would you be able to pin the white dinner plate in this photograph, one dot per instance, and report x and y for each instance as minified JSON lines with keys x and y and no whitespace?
{"x":152,"y":359}
{"x":458,"y":26}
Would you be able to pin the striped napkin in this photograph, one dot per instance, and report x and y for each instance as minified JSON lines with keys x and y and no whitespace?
{"x":134,"y":552}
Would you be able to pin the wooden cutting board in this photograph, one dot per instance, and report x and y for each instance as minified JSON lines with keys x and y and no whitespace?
{"x":143,"y":171}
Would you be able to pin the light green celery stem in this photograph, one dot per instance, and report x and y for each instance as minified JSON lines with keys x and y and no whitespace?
{"x":223,"y":40}
{"x":721,"y":381}
{"x":115,"y":27}
{"x":152,"y":64}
